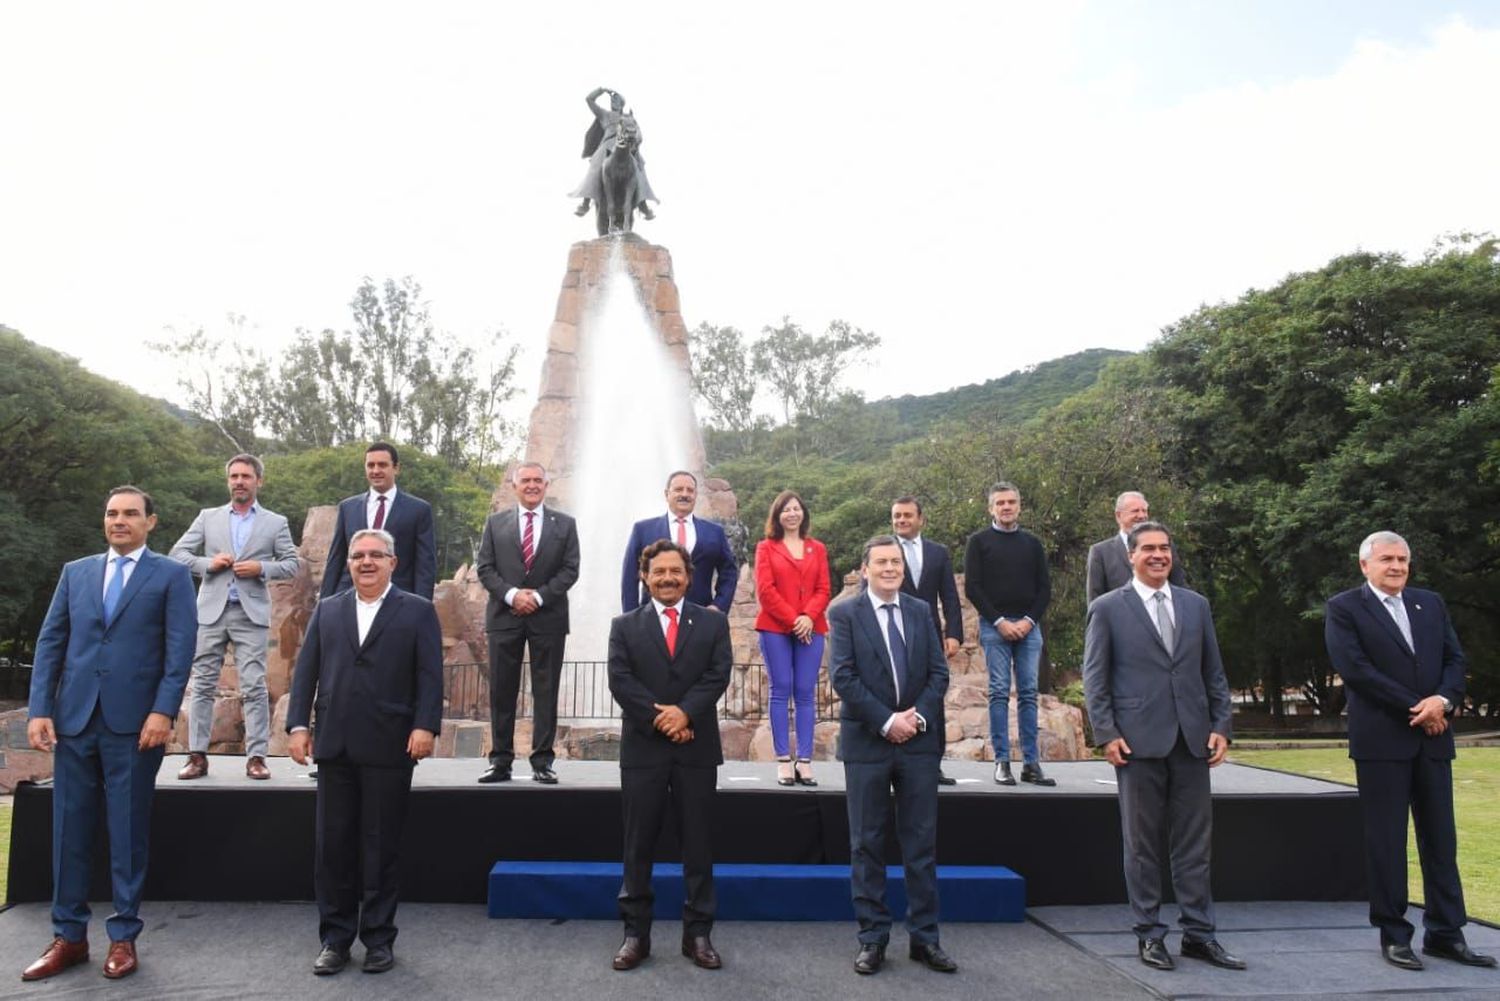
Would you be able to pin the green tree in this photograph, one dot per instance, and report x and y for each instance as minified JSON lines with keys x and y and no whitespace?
{"x":806,"y":371}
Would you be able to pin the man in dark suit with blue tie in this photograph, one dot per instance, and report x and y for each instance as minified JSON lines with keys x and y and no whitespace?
{"x":1159,"y":704}
{"x":1403,"y":672}
{"x":372,"y":666}
{"x":714,"y":569}
{"x":528,"y":560}
{"x":112,"y":661}
{"x":888,"y":668}
{"x":406,"y":517}
{"x":669,"y":662}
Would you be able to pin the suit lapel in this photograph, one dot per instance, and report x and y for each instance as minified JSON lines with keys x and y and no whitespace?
{"x":144,"y":568}
{"x":686,"y":623}
{"x":347,"y":616}
{"x":1374,"y":607}
{"x":865,"y":615}
{"x":1143,"y":615}
{"x":94,"y":581}
{"x":388,"y":609}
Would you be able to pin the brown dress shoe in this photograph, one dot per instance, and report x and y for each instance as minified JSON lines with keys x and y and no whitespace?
{"x":632,"y":952}
{"x":255,"y":768}
{"x":701,"y":951}
{"x":121,"y":960}
{"x":196,"y":767}
{"x":60,"y":955}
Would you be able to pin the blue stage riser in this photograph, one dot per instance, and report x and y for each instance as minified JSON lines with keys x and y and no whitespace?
{"x":587,"y":890}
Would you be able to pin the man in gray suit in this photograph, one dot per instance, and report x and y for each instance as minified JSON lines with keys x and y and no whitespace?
{"x":1159,"y":704}
{"x":528,"y":559}
{"x":236,"y":549}
{"x":1109,"y":559}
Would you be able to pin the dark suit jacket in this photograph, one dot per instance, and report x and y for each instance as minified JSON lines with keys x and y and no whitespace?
{"x":369,"y":696}
{"x":554,"y":569}
{"x":938,"y":585}
{"x":1136,"y":690}
{"x":715,"y":572}
{"x":860,"y":669}
{"x":641,"y":673}
{"x":1109,"y":567}
{"x":409,"y":521}
{"x":1383,"y":677}
{"x":135,"y":666}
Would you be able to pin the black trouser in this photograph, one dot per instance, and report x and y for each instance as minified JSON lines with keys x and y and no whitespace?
{"x":506,"y":652}
{"x":361,"y":812}
{"x":901,"y":790}
{"x":647,"y":795}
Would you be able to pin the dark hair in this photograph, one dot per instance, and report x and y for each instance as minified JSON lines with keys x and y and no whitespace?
{"x":681,"y":472}
{"x":1146,"y":526}
{"x":1001,"y":487}
{"x":875,"y":542}
{"x":660,"y":546}
{"x":382,"y":446}
{"x":126,"y":488}
{"x":249,"y":460}
{"x":773,"y":520}
{"x":908,"y":499}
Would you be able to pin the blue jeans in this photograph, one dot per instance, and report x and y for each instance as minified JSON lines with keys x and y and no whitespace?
{"x":1000,"y":656}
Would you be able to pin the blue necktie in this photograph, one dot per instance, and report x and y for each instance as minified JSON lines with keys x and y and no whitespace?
{"x":898,"y":647}
{"x":115,"y":589}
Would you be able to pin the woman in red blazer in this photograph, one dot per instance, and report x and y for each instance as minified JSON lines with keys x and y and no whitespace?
{"x":791,"y":582}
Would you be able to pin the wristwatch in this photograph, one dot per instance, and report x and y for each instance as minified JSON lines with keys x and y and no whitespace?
{"x":1447,"y":704}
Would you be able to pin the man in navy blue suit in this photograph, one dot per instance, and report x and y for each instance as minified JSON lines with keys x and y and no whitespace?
{"x":887,"y":665}
{"x":372,"y":664}
{"x":406,"y":517}
{"x":714,"y":569}
{"x":1403,"y":671}
{"x":112,"y":661}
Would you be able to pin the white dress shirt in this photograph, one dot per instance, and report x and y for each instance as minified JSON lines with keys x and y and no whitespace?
{"x":536,"y":541}
{"x":1148,"y":595}
{"x":690,"y":525}
{"x":661,"y":616}
{"x":911,"y":549}
{"x":365,"y":612}
{"x":880,"y":620}
{"x":372,"y":504}
{"x":127,"y":568}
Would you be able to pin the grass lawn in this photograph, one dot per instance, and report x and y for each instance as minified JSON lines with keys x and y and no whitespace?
{"x":1476,"y":806}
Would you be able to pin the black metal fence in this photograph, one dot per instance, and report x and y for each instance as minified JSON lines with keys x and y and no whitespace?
{"x":583,"y":693}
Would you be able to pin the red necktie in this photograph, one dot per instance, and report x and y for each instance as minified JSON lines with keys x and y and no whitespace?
{"x":528,"y":552}
{"x":671,"y":631}
{"x":379,"y":513}
{"x":682,"y":532}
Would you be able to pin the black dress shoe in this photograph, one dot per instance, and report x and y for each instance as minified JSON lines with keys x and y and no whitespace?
{"x":1211,"y":951}
{"x":632,"y":952}
{"x":1033,"y":774}
{"x":1153,"y":952}
{"x":869,"y":959}
{"x":379,"y":958}
{"x":545,"y":776}
{"x":1003,"y":775}
{"x":330,"y":961}
{"x":495,"y":774}
{"x":701,"y":951}
{"x":1459,"y":952}
{"x":933,"y":957}
{"x":1399,"y":954}
{"x":946,"y":780}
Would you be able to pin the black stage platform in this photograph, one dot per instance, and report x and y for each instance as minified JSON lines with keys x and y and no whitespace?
{"x":225,"y":837}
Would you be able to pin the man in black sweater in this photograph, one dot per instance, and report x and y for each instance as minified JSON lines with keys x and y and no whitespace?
{"x":1006,"y":580}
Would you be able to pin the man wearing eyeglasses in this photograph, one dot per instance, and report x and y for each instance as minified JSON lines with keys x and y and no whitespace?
{"x":372,"y":662}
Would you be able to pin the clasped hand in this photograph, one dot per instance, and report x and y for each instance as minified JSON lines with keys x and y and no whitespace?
{"x":673,"y":723}
{"x":525,"y":602}
{"x":904,"y":726}
{"x":1430,"y":715}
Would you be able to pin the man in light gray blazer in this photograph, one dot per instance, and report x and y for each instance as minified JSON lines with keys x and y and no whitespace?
{"x":1109,"y":559}
{"x":1158,"y":701}
{"x":236,"y":549}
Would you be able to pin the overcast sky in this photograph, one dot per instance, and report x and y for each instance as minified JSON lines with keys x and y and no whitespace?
{"x":984,"y":185}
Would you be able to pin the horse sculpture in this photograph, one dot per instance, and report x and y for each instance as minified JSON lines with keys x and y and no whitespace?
{"x":621,"y":182}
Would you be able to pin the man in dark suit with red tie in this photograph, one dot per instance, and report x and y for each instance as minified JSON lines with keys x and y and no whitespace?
{"x":715,"y":571}
{"x":407,"y":517}
{"x":669,"y":662}
{"x":528,"y":559}
{"x":372,"y":665}
{"x":1403,"y":672}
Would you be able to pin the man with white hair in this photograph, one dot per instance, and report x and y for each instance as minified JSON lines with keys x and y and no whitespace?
{"x":1403,"y":672}
{"x":1109,"y":559}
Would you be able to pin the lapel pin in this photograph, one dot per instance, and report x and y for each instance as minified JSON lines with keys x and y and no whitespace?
{"x":1417,"y":607}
